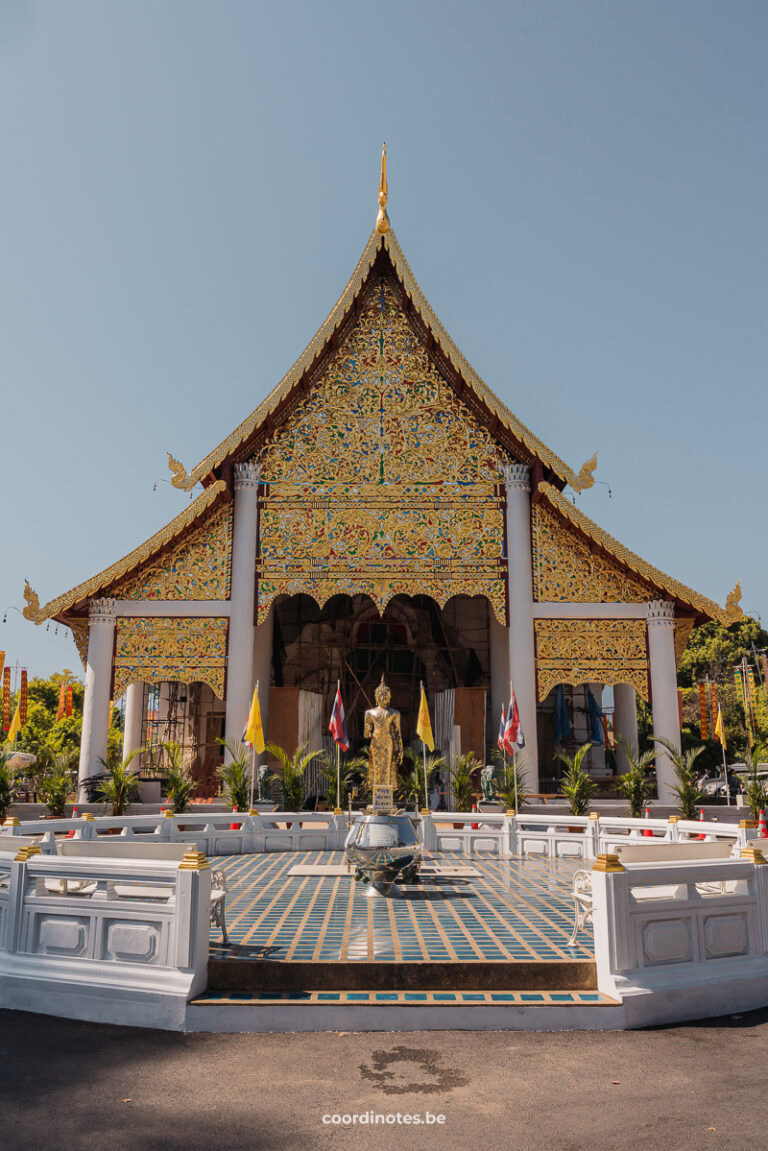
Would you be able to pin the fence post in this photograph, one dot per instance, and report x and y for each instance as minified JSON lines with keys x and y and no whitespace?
{"x":17,"y":887}
{"x":426,"y":831}
{"x":673,"y":832}
{"x":509,"y":834}
{"x":12,"y":826}
{"x":192,"y":918}
{"x":593,"y":835}
{"x":88,"y":827}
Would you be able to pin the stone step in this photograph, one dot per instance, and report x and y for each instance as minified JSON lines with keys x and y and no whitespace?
{"x":394,"y":998}
{"x":263,"y":976}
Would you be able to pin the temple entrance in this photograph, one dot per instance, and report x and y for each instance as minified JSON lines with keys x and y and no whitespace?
{"x":414,"y":640}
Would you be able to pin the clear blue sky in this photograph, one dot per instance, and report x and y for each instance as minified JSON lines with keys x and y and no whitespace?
{"x":580,"y":189}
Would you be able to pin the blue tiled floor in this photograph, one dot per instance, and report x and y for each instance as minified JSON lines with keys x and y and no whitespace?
{"x":516,"y":909}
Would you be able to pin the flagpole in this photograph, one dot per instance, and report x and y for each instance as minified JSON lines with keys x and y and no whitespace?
{"x":253,"y":756}
{"x":424,"y":753}
{"x":338,"y":762}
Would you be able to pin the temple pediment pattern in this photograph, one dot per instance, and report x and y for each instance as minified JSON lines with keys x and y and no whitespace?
{"x":181,"y":650}
{"x":382,"y":482}
{"x":569,"y":569}
{"x":197,"y":567}
{"x":576,"y":651}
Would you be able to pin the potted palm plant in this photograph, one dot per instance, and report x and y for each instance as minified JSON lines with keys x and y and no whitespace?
{"x":410,"y":793}
{"x":236,"y":775}
{"x":577,"y":785}
{"x":290,"y":773}
{"x":636,"y":785}
{"x":462,"y":768}
{"x":179,"y":783}
{"x":119,"y":785}
{"x":688,"y":789}
{"x":755,"y":788}
{"x":511,"y":781}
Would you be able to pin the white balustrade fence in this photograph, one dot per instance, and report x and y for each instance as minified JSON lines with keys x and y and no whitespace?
{"x":464,"y":833}
{"x":118,"y":940}
{"x":215,"y":833}
{"x":681,"y":940}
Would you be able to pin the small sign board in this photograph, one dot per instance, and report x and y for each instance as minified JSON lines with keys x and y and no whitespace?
{"x":383,"y":799}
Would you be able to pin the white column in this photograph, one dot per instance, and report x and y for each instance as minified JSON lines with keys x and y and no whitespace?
{"x":522,"y":665}
{"x":98,"y":682}
{"x":240,"y":658}
{"x":666,"y":720}
{"x":624,"y":720}
{"x":134,"y":718}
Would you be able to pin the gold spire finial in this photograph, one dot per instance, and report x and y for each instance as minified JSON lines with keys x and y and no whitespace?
{"x":382,"y":220}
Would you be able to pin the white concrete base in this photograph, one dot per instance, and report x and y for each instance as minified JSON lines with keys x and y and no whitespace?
{"x":269,"y":1018}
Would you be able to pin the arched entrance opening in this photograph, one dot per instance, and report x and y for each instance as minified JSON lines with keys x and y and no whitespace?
{"x":414,"y":640}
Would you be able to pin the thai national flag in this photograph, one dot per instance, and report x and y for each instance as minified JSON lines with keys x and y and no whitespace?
{"x":502,"y":729}
{"x":513,"y":732}
{"x":338,"y":724}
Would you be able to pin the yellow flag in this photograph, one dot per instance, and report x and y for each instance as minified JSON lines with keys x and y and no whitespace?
{"x":720,"y":727}
{"x":15,"y":727}
{"x":423,"y":725}
{"x":254,"y":733}
{"x":2,"y":661}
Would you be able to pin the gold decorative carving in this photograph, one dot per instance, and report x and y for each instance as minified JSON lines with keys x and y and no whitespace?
{"x":99,"y":583}
{"x":32,"y":610}
{"x":580,"y":651}
{"x":733,"y":611}
{"x":431,"y":323}
{"x":565,"y":570}
{"x":645,"y":571}
{"x":180,"y":476}
{"x":382,"y":220}
{"x":198,"y":567}
{"x":79,"y":628}
{"x":585,"y":479}
{"x":159,"y":649}
{"x":382,"y":483}
{"x":683,"y":629}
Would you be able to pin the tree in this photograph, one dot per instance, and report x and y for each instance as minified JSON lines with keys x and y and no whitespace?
{"x":7,"y":782}
{"x":714,"y":650}
{"x":56,"y":783}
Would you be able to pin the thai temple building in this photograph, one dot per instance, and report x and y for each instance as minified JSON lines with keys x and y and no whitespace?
{"x":380,"y":511}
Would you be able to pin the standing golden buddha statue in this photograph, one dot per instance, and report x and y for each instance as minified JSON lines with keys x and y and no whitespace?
{"x":382,"y":727}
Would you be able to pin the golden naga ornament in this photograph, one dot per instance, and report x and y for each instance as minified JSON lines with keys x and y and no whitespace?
{"x":585,"y":479}
{"x":382,"y":220}
{"x":733,"y":610}
{"x":32,"y":609}
{"x":180,"y":476}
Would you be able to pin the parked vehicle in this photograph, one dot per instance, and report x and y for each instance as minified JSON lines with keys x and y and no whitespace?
{"x":714,"y":786}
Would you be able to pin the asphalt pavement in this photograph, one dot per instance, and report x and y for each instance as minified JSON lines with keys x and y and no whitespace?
{"x":68,"y":1086}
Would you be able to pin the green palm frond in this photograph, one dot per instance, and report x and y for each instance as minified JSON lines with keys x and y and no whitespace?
{"x":577,"y":785}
